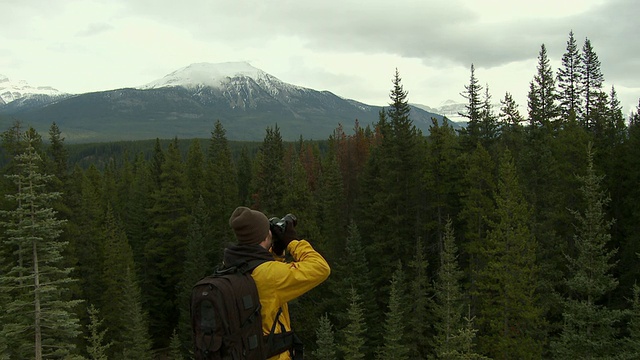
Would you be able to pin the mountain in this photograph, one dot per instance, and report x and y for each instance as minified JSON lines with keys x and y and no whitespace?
{"x":187,"y":102}
{"x":19,"y":94}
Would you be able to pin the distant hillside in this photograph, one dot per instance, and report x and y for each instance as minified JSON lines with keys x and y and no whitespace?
{"x":186,"y":104}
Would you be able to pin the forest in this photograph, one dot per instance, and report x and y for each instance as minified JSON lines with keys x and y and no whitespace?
{"x":516,"y":237}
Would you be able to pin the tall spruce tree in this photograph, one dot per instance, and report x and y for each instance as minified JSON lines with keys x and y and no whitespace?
{"x":39,"y":322}
{"x":473,"y":111}
{"x":394,"y":344}
{"x":353,"y":336}
{"x":222,"y":184}
{"x":268,"y":184}
{"x":121,"y":306}
{"x":592,"y":81}
{"x":589,"y":330}
{"x":325,"y":342}
{"x":420,"y":293}
{"x":449,"y":297}
{"x":488,"y":120}
{"x":569,"y":80}
{"x":441,"y":171}
{"x":509,"y":316}
{"x":96,"y":348}
{"x":164,"y":252}
{"x":543,"y":109}
{"x":477,"y":207}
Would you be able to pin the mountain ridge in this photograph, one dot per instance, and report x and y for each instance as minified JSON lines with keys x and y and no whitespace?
{"x":187,"y":102}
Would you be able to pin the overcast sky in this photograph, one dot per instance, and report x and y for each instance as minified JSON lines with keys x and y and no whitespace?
{"x":350,"y":48}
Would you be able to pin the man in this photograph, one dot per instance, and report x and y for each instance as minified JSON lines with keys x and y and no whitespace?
{"x":278,"y":282}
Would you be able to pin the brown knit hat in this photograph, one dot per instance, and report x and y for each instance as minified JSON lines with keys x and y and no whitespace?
{"x":250,"y":226}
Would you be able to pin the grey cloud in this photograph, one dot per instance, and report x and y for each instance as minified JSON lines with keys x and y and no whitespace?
{"x":95,"y":29}
{"x":435,"y":31}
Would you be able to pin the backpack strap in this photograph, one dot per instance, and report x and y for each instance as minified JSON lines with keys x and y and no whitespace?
{"x":283,"y":341}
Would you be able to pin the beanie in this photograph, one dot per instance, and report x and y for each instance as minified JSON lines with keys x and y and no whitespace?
{"x":250,"y":226}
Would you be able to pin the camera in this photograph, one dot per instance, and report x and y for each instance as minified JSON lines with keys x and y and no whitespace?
{"x":282,"y":223}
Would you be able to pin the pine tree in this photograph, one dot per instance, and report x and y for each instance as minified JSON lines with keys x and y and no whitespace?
{"x":488,"y":120}
{"x":473,"y":111}
{"x":326,"y":347}
{"x":268,"y":182}
{"x":420,"y":292}
{"x":352,"y":345}
{"x":175,"y":347}
{"x":543,"y":109}
{"x":222,"y":184}
{"x":202,"y":254}
{"x":38,"y":321}
{"x":394,"y":345}
{"x":164,"y":252}
{"x":569,"y":79}
{"x":331,"y":214}
{"x":449,"y":298}
{"x":509,"y":314}
{"x":511,"y":127}
{"x":121,"y":307}
{"x":442,"y":169}
{"x":592,"y":80}
{"x":96,"y":348}
{"x":589,"y":330}
{"x":244,"y":176}
{"x":195,"y":171}
{"x":477,"y":207}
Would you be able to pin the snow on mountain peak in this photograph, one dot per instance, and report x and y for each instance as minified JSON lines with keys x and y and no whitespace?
{"x":207,"y":74}
{"x":14,"y":90}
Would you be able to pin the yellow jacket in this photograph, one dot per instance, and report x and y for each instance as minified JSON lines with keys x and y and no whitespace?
{"x":279,"y":282}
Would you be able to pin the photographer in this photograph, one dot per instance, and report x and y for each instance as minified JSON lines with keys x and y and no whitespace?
{"x":277,"y":281}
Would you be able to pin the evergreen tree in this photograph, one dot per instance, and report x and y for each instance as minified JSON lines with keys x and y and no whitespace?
{"x":392,"y":166}
{"x":96,"y":348}
{"x":569,"y":80}
{"x":353,"y":335}
{"x":449,"y":297}
{"x":175,"y":347}
{"x":202,"y":254}
{"x":589,"y":330}
{"x":38,"y":321}
{"x":592,"y":80}
{"x":326,"y":347}
{"x":543,"y":110}
{"x":119,"y":308}
{"x":632,"y":348}
{"x":394,"y":344}
{"x":488,"y":120}
{"x":473,"y":111}
{"x":331,"y":214}
{"x":268,"y":181}
{"x":244,"y":176}
{"x":222,"y":184}
{"x":511,"y":127}
{"x":440,"y":179}
{"x":164,"y":252}
{"x":509,"y":315}
{"x":420,"y":306}
{"x":477,"y":208}
{"x":195,"y":170}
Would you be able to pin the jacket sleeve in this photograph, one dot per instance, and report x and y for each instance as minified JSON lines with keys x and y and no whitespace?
{"x":308,"y":270}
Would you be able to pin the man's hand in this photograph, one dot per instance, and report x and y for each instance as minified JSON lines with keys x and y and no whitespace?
{"x":282,"y":239}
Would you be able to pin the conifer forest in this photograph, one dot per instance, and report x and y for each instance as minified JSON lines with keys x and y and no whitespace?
{"x":516,"y":237}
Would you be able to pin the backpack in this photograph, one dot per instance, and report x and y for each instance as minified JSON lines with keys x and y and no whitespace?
{"x":226,"y":322}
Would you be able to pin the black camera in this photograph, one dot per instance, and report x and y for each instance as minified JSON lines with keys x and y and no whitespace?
{"x":282,"y":223}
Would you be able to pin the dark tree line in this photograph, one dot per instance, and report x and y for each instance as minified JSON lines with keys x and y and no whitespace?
{"x":514,"y":238}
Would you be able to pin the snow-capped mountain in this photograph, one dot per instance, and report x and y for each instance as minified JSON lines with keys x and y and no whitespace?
{"x":15,"y":90}
{"x":187,"y":102}
{"x":219,"y":76}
